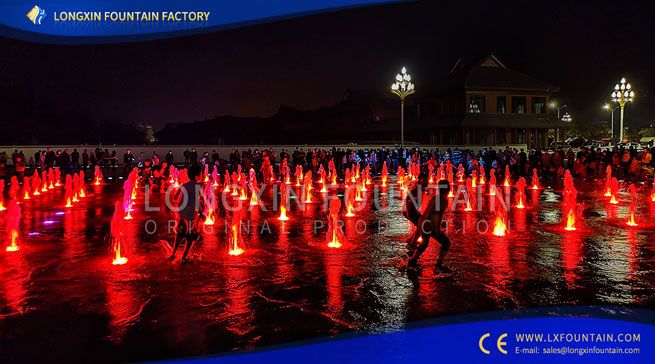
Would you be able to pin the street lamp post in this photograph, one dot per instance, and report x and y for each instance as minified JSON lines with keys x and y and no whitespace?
{"x":610,"y":108}
{"x":402,"y":87}
{"x":622,"y":94}
{"x":559,"y":108}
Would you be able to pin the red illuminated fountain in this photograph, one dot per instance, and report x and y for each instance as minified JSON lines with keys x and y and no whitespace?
{"x":307,"y":188}
{"x":210,"y":204}
{"x":535,"y":180}
{"x":508,"y":177}
{"x":483,"y":179}
{"x":652,"y":192}
{"x":97,"y":176}
{"x":226,"y":182}
{"x":334,"y":234}
{"x":570,"y":196}
{"x":633,"y":197}
{"x":349,"y":200}
{"x":500,"y":222}
{"x":26,"y":188}
{"x":474,"y":179}
{"x":128,"y":188}
{"x":608,"y":182}
{"x":254,"y":201}
{"x":492,"y":182}
{"x":68,"y":188}
{"x":215,"y":177}
{"x":385,"y":174}
{"x":44,"y":180}
{"x":284,"y":198}
{"x":2,"y":195}
{"x":460,"y":173}
{"x":451,"y":193}
{"x":469,"y":195}
{"x":12,"y":223}
{"x":117,"y":231}
{"x":614,"y":191}
{"x":520,"y":192}
{"x":430,"y":173}
{"x":236,"y":240}
{"x":35,"y":182}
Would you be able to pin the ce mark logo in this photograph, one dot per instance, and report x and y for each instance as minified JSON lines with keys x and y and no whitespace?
{"x":499,"y":343}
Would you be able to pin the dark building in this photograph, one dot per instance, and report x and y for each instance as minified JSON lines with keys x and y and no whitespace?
{"x":487,"y":103}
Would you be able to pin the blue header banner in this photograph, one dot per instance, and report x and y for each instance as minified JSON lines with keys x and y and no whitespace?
{"x":605,"y":335}
{"x":80,"y":22}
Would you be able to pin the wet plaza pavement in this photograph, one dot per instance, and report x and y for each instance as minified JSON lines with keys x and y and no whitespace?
{"x":62,"y":300}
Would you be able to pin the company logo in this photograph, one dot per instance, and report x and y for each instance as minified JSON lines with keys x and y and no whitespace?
{"x":37,"y":15}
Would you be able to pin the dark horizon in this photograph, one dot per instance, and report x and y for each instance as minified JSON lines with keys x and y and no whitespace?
{"x":309,"y":62}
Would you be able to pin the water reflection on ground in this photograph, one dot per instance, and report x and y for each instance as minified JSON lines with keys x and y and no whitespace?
{"x":61,"y":299}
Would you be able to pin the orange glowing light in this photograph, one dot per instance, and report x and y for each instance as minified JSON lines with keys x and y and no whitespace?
{"x":235,"y":250}
{"x":97,"y":182}
{"x":118,"y":260}
{"x":482,"y":180}
{"x":243,"y":196}
{"x":57,"y":184}
{"x":652,"y":197}
{"x":468,"y":205}
{"x":68,"y":202}
{"x":349,"y":210}
{"x":520,"y":205}
{"x":631,"y":220}
{"x":323,"y":189}
{"x":234,"y":191}
{"x":82,"y":193}
{"x":535,"y":187}
{"x":283,"y":213}
{"x":210,"y":219}
{"x":335,"y":240}
{"x":420,"y":239}
{"x":492,"y":190}
{"x":253,"y":199}
{"x":614,"y":200}
{"x":51,"y":186}
{"x":128,"y":216}
{"x":13,"y":247}
{"x":570,"y":221}
{"x":499,"y":226}
{"x":75,"y":199}
{"x":134,"y":192}
{"x":36,"y":192}
{"x":506,"y":183}
{"x":27,"y":196}
{"x":2,"y":206}
{"x":44,"y":188}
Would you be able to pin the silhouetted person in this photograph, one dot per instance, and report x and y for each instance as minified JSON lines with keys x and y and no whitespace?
{"x":187,"y":227}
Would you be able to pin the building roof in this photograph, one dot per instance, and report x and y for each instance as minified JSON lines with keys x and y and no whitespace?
{"x":492,"y":74}
{"x":513,"y":121}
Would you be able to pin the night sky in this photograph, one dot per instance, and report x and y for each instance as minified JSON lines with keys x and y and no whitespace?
{"x":309,"y":62}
